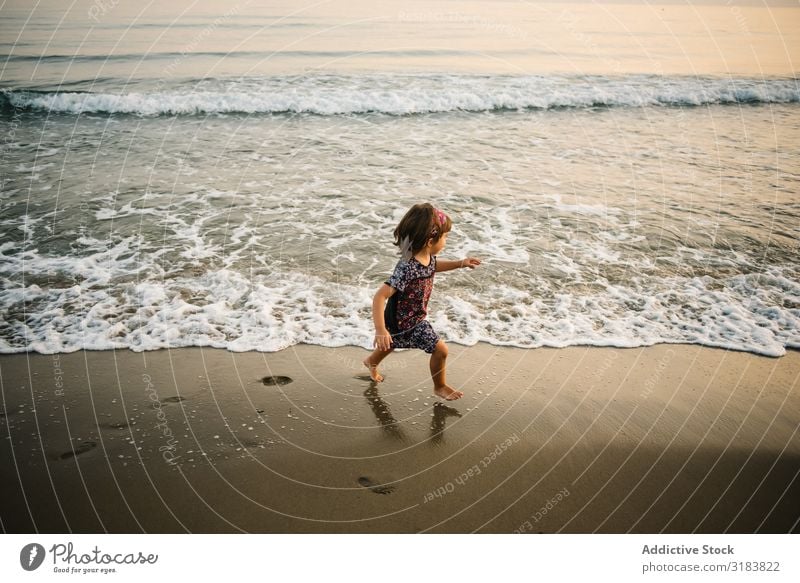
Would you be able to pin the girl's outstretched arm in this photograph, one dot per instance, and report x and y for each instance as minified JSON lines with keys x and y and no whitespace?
{"x":383,"y":339}
{"x":445,"y":265}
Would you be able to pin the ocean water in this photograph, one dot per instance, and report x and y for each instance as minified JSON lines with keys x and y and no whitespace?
{"x":230,"y":175}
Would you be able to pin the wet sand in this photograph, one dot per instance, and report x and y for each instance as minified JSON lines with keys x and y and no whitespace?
{"x":669,"y":438}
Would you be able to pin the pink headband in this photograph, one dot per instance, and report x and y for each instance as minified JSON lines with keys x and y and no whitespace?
{"x":442,"y":218}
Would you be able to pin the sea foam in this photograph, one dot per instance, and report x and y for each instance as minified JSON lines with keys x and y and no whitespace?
{"x":226,"y":309}
{"x":412,"y":94}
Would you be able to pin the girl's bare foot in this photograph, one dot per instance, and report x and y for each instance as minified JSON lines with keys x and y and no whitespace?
{"x":447,"y":393}
{"x":373,"y":371}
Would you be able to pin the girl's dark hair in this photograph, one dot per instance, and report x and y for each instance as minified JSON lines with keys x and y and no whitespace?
{"x":416,"y":227}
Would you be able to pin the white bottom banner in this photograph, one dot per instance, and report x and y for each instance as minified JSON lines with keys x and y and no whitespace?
{"x":391,"y":558}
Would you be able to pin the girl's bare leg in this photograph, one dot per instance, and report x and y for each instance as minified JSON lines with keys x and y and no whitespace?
{"x":372,"y":362}
{"x":440,"y":386}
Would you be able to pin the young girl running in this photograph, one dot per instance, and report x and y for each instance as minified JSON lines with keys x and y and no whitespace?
{"x":421,"y":235}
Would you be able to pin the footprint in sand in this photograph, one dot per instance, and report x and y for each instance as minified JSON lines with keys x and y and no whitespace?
{"x":76,"y":451}
{"x":275,"y":381}
{"x":252,"y":443}
{"x":377,"y":488}
{"x":115,"y":425}
{"x":175,"y":399}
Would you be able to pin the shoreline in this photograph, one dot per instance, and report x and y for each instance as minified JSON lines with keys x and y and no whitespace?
{"x":488,"y":345}
{"x":667,"y":438}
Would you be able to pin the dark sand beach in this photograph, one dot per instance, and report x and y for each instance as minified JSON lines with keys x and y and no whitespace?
{"x":668,"y":438}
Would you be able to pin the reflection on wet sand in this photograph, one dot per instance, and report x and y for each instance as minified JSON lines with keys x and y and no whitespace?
{"x":440,"y":414}
{"x":381,"y":410}
{"x":392,"y":426}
